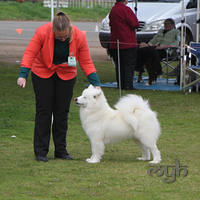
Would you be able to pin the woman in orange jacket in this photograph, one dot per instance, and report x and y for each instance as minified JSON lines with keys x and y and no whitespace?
{"x":52,"y":56}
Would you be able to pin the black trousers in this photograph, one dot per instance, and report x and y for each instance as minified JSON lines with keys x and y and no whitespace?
{"x":53,"y":96}
{"x":128,"y":58}
{"x":151,"y":58}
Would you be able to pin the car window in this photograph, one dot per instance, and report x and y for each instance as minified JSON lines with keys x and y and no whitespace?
{"x":166,"y":1}
{"x":192,"y":4}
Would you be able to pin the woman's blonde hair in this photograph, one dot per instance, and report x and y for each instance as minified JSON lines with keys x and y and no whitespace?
{"x":62,"y":22}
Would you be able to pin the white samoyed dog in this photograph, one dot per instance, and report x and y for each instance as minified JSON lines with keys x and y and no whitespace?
{"x":132,"y":118}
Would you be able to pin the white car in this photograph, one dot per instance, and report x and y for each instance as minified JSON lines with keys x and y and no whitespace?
{"x":151,"y":15}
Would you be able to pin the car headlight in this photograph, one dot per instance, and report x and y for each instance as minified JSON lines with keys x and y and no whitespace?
{"x":154,"y":26}
{"x":105,"y":25}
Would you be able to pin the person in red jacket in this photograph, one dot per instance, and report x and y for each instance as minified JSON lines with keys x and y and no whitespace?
{"x":123,"y":23}
{"x":52,"y":56}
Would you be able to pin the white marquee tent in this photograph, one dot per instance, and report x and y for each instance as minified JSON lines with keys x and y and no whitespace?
{"x":183,"y":35}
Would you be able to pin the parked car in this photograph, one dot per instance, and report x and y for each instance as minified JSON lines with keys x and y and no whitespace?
{"x":151,"y":15}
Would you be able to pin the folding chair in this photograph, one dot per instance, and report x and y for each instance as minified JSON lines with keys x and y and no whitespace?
{"x":172,"y":55}
{"x":194,"y":68}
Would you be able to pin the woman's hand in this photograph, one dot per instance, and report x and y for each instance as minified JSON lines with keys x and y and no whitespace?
{"x":163,"y":47}
{"x":21,"y":82}
{"x":143,"y":44}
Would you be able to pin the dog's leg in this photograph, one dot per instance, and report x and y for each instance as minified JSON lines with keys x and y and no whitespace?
{"x":145,"y":152}
{"x":156,"y":154}
{"x":97,"y":151}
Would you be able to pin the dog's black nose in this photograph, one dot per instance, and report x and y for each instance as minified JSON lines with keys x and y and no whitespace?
{"x":75,"y":99}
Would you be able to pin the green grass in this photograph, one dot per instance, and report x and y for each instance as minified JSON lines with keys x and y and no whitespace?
{"x":119,"y":176}
{"x":36,"y":11}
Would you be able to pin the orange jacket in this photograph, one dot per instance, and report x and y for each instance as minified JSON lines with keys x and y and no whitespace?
{"x":38,"y":55}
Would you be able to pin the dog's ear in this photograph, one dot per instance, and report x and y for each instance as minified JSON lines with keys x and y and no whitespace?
{"x":98,"y":94}
{"x":90,"y":86}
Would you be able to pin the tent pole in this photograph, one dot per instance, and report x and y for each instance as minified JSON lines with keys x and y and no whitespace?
{"x":182,"y":70}
{"x":135,"y":8}
{"x":52,"y":10}
{"x":198,"y":21}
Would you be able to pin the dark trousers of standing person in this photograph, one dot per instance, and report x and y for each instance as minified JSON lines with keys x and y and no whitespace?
{"x":53,"y":96}
{"x":128,"y":58}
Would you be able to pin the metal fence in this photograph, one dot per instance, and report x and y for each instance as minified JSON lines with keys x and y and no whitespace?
{"x":73,"y":3}
{"x":80,"y":3}
{"x":91,"y":3}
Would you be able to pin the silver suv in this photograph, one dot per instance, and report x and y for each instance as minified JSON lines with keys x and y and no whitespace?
{"x":151,"y":15}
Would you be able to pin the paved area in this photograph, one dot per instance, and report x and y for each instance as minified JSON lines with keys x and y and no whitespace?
{"x":13,"y":44}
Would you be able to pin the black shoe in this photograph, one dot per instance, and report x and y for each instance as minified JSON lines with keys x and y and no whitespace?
{"x":64,"y":157}
{"x":177,"y":83}
{"x":42,"y":158}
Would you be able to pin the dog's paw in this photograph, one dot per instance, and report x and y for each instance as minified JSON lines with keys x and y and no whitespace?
{"x":155,"y":161}
{"x":143,"y":159}
{"x":92,"y":160}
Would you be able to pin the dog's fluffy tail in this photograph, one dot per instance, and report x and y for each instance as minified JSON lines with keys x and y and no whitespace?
{"x":130,"y":106}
